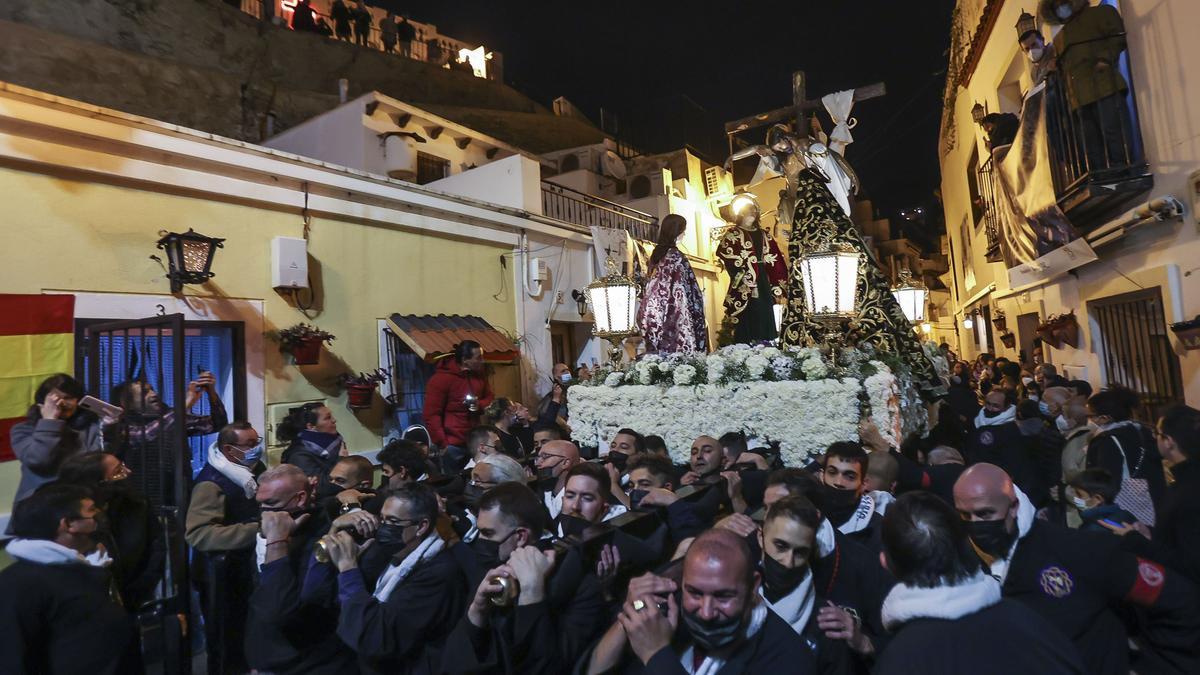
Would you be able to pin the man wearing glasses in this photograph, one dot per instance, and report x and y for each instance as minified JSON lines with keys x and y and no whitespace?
{"x":222,"y":522}
{"x":552,"y":462}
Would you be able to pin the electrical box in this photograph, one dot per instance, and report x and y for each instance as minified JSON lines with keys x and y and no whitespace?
{"x":538,"y":270}
{"x":289,"y":262}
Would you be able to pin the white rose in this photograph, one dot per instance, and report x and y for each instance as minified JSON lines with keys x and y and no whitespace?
{"x":684,"y":374}
{"x":814,"y":368}
{"x":756,"y":365}
{"x":613,"y":379}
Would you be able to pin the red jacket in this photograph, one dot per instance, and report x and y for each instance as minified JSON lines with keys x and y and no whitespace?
{"x":446,"y":416}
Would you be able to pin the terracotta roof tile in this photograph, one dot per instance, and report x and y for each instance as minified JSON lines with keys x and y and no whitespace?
{"x":433,"y":336}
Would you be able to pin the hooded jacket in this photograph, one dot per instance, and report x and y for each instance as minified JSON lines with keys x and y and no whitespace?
{"x":447,"y":416}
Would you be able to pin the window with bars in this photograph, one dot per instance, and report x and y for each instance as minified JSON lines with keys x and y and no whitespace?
{"x":1135,"y":348}
{"x":431,"y":168}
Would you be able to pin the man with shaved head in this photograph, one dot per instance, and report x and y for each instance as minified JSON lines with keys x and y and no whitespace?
{"x":1074,"y":579}
{"x":552,"y":462}
{"x":708,"y":460}
{"x":725,"y":626}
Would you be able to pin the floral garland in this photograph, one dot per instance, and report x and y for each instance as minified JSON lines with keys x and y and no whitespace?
{"x":802,"y":398}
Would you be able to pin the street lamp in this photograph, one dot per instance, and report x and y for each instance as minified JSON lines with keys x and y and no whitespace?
{"x":580,"y":299}
{"x":968,"y":322}
{"x":926,"y":328}
{"x":189,"y":257}
{"x":978,"y":112}
{"x":613,"y":298}
{"x":830,"y":275}
{"x":912,"y":296}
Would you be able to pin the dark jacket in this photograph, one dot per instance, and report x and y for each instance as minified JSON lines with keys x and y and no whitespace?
{"x":1141,"y":454}
{"x":964,"y":402}
{"x":1004,"y":446}
{"x":1176,"y":540}
{"x":852,"y":578}
{"x":446,"y":416}
{"x":1091,"y":518}
{"x":1074,"y":579}
{"x":61,"y":619}
{"x":285,"y":634}
{"x":406,"y":634}
{"x":316,"y":453}
{"x":1003,"y":639}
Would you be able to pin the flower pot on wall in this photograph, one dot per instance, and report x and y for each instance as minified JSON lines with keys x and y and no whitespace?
{"x":1000,"y":322}
{"x":1066,"y":329}
{"x":307,"y":352}
{"x":1009,"y":340}
{"x":359,"y":396}
{"x":1046,"y":332}
{"x":1188,"y":333}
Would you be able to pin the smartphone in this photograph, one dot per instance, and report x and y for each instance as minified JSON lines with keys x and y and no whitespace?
{"x":1110,"y":521}
{"x":200,"y":370}
{"x":100,"y":408}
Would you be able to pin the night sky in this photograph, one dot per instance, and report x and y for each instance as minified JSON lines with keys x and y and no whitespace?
{"x":733,"y":60}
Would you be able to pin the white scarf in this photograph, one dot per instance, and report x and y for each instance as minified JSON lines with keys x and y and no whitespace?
{"x":712,"y":664}
{"x":394,"y":574}
{"x":46,"y":552}
{"x":1009,"y":415}
{"x":826,"y":539}
{"x":554,"y":503}
{"x":905,"y":603}
{"x":882,"y":501}
{"x":862,"y":516}
{"x":1026,"y":513}
{"x":795,"y":607}
{"x":237,"y":473}
{"x":260,"y":550}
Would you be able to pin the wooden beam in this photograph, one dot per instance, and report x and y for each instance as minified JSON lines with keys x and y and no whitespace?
{"x":785,"y":114}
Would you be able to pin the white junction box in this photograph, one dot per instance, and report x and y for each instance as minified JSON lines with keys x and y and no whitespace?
{"x":289,"y":262}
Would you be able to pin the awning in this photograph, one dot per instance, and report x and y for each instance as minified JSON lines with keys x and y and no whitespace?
{"x":432,"y":337}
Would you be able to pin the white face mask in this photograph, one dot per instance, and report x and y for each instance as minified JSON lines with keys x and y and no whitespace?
{"x":1063,"y":424}
{"x":1079,"y":503}
{"x":1093,"y":427}
{"x":1026,"y":381}
{"x":1063,"y":11}
{"x":565,"y":377}
{"x":1035,"y":54}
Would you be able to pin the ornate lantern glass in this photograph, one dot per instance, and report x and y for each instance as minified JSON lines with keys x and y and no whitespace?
{"x":912,"y":296}
{"x":978,"y":112}
{"x":968,"y":322}
{"x":830,"y":277}
{"x":189,"y":257}
{"x":613,"y":299}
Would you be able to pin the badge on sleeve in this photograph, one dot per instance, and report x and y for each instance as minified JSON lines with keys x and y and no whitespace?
{"x":987,"y":438}
{"x":1148,"y":584}
{"x":1057,"y":582}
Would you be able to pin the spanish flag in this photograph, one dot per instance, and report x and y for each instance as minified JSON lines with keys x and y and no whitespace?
{"x":37,"y":339}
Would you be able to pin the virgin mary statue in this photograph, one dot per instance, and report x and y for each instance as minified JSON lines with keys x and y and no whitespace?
{"x":671,"y":315}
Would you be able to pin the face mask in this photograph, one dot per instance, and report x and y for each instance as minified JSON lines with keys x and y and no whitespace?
{"x":636,"y":497}
{"x":1093,"y":427}
{"x":1044,"y":408}
{"x":390,"y":535}
{"x":1035,"y":397}
{"x":1026,"y":381}
{"x":487,"y":552}
{"x":715,"y":633}
{"x":565,"y":378}
{"x":954,"y":379}
{"x":1079,"y":503}
{"x":780,"y":580}
{"x":572,"y":526}
{"x":546,"y":473}
{"x":250,"y":457}
{"x":990,"y":413}
{"x":326,"y":489}
{"x":991,"y":536}
{"x":1063,"y":11}
{"x":837,"y":505}
{"x":618,"y":459}
{"x":1063,"y":424}
{"x":1035,"y":54}
{"x":472,"y":493}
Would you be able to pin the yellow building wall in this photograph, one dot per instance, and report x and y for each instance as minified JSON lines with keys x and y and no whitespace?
{"x":65,"y":234}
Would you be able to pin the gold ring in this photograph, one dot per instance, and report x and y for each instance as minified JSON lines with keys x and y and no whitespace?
{"x":638,"y":605}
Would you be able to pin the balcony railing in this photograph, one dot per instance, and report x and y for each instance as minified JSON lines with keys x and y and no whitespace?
{"x":580,"y":208}
{"x":988,"y":192}
{"x":1096,"y":152}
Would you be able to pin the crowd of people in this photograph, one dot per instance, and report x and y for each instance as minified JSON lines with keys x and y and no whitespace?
{"x":1037,"y":527}
{"x":352,"y":21}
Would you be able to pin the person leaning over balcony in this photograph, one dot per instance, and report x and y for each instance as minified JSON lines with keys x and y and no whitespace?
{"x":340,"y":14}
{"x":387,"y":32}
{"x":362,"y":24}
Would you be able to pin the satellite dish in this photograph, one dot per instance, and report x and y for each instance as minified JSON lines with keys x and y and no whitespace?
{"x":639,"y":187}
{"x":613,"y":165}
{"x":568,"y":163}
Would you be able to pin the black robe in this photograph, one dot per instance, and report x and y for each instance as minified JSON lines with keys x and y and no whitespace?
{"x":1003,"y":639}
{"x":1004,"y":446}
{"x":852,"y":578}
{"x":62,"y":619}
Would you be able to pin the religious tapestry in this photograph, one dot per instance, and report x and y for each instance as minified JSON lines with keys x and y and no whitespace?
{"x":757,"y":277}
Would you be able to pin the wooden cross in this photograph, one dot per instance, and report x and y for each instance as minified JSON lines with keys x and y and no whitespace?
{"x":796,"y":110}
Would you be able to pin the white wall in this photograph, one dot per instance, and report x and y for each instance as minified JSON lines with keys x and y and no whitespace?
{"x":512,"y":181}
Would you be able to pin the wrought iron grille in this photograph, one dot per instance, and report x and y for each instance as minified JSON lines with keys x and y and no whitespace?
{"x":1135,"y":348}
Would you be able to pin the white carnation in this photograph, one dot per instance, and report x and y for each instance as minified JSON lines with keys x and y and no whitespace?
{"x":756,"y":365}
{"x":613,"y":379}
{"x":814,"y":368}
{"x":684,"y":375}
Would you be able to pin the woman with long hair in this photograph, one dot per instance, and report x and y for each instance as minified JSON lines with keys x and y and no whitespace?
{"x":671,"y":314}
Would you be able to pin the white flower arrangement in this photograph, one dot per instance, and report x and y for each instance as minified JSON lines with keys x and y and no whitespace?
{"x":813,"y":368}
{"x":684,"y":375}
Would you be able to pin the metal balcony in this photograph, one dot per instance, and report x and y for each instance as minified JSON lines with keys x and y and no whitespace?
{"x":563,"y":203}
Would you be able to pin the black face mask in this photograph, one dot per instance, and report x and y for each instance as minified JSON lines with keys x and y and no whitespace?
{"x":487,"y":552}
{"x":390,"y":535}
{"x":991,"y":536}
{"x":778,"y":580}
{"x":636,"y":497}
{"x":326,"y":489}
{"x":990,"y":413}
{"x":572,"y":526}
{"x":836,"y":505}
{"x":715,"y":633}
{"x":618,"y":459}
{"x":545,"y":474}
{"x":472,"y":493}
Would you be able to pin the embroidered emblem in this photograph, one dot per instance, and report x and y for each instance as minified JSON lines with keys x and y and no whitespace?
{"x":987,"y":438}
{"x":1150,"y":573}
{"x":1056,"y":582}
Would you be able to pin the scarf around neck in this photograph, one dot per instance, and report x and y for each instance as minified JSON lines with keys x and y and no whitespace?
{"x":237,"y":473}
{"x":905,"y":603}
{"x":394,"y":574}
{"x":713,"y":664}
{"x":46,"y":552}
{"x":1009,"y":415}
{"x":796,"y":607}
{"x":861,"y":517}
{"x":324,"y":444}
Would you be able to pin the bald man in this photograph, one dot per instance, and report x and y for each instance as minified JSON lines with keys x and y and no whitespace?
{"x":553,"y":461}
{"x":708,"y":460}
{"x":725,"y":626}
{"x":1074,"y":579}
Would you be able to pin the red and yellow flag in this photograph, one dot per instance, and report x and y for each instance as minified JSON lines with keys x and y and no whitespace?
{"x":37,"y":339}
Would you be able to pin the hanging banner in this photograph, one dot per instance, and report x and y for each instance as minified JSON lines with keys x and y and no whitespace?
{"x":630,"y":255}
{"x":1031,"y":225}
{"x":37,"y":338}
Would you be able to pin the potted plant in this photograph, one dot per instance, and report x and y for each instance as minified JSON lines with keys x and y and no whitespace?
{"x":1000,"y":320}
{"x":303,"y":342}
{"x":1009,"y":339}
{"x":1066,"y":328}
{"x":1188,"y":333}
{"x":1046,"y":331}
{"x":360,"y":388}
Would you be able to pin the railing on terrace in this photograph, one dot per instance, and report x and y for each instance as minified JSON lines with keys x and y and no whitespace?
{"x":579,"y":208}
{"x":991,"y":213}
